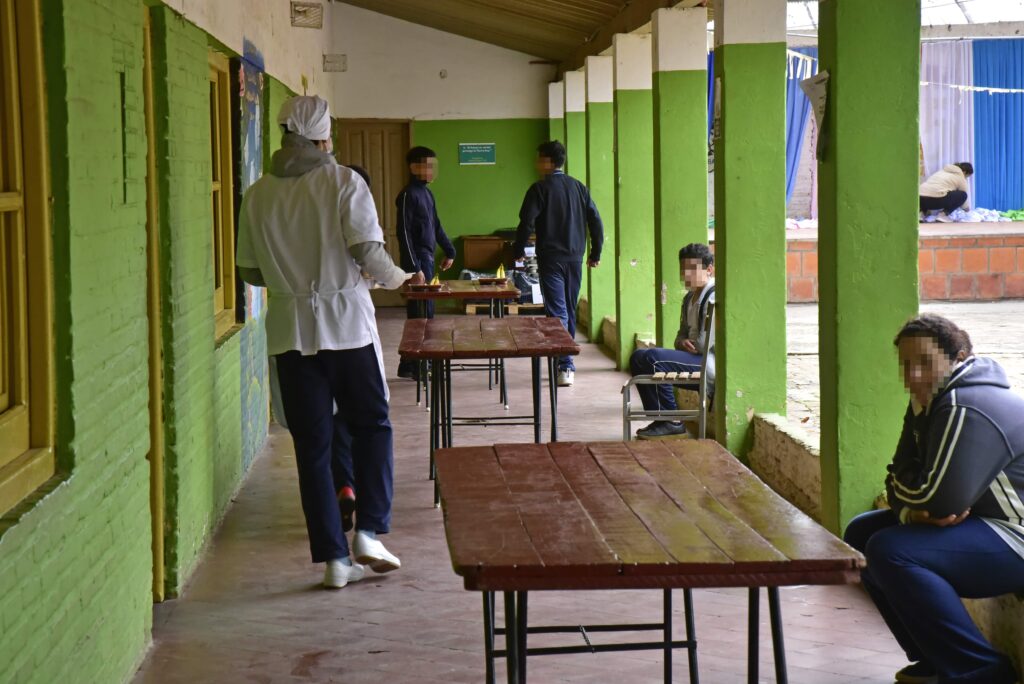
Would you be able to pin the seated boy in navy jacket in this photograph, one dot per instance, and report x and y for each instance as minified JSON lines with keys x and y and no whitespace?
{"x":697,"y":271}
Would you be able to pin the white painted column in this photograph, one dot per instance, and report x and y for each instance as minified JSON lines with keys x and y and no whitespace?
{"x":601,"y":181}
{"x":634,"y":200}
{"x":576,"y":124}
{"x":680,"y":152}
{"x":556,"y":110}
{"x":750,"y":215}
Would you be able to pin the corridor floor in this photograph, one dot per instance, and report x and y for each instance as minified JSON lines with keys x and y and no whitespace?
{"x":254,"y":611}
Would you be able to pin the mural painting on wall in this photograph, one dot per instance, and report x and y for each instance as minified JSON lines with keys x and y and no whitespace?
{"x":247,"y":133}
{"x":249,"y":145}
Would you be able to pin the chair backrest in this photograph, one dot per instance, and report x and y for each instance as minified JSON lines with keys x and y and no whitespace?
{"x":708,"y":328}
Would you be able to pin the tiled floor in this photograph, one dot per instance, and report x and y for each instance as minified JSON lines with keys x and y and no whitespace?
{"x":254,"y":611}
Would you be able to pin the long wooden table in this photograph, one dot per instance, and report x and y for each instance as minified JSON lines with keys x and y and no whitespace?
{"x":444,"y":340}
{"x":497,"y":295}
{"x":625,"y":515}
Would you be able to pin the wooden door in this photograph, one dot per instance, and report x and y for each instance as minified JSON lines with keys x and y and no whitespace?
{"x":380,"y":148}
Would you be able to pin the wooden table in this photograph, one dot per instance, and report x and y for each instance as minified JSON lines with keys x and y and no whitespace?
{"x":625,"y":515}
{"x":497,"y":297}
{"x":444,"y":340}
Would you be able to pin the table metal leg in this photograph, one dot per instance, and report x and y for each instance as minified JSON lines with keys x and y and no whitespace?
{"x":521,"y":626}
{"x":448,"y":401}
{"x":667,"y":622}
{"x":778,"y":644}
{"x":691,"y":635}
{"x":435,"y":431}
{"x":511,"y":639}
{"x":488,"y":637}
{"x":553,"y":390}
{"x":753,"y":630}
{"x":535,"y":372}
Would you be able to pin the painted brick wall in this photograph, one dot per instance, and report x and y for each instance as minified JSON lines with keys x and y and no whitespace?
{"x":75,"y":569}
{"x":212,"y":434}
{"x":183,"y":157}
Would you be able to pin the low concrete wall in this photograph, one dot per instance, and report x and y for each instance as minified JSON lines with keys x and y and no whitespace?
{"x":786,"y":458}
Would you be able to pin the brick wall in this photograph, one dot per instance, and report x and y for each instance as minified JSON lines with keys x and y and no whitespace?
{"x":75,"y":565}
{"x":972,"y":267}
{"x":951,"y":267}
{"x":183,"y":157}
{"x":212,"y":433}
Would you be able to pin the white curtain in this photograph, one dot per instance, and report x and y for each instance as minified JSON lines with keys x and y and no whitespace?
{"x":947,"y":114}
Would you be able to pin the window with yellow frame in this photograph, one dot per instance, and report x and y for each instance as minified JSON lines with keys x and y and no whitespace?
{"x":222,"y":195}
{"x":26,"y":349}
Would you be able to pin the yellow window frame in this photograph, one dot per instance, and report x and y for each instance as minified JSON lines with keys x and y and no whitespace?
{"x":222,"y":195}
{"x":26,"y":308}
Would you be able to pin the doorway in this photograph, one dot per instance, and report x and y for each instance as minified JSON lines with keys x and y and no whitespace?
{"x":379,"y":147}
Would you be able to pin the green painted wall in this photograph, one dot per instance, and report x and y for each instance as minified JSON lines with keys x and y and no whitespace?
{"x":750,"y":215}
{"x":601,"y":177}
{"x":209,"y":436}
{"x":868,"y":254}
{"x":556,"y":129}
{"x":274,"y":95}
{"x":680,"y":185}
{"x":634,"y":218}
{"x":477,"y":200}
{"x":75,"y":560}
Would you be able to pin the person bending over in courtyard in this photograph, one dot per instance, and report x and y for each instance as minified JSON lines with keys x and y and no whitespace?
{"x":697,"y":271}
{"x":946,"y":190}
{"x":954,"y":528}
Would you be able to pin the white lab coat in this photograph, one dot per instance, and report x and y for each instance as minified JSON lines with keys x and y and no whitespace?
{"x":297,"y":231}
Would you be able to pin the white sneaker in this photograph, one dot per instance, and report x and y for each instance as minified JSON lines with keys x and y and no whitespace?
{"x":943,"y":218}
{"x":566,"y":377}
{"x":371,"y":552}
{"x":337,"y":574}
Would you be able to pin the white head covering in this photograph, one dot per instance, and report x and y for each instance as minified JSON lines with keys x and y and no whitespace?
{"x":308,"y":116}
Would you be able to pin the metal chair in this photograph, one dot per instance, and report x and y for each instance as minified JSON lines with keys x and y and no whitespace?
{"x":694,"y":380}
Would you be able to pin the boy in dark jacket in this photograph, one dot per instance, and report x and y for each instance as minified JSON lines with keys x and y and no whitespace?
{"x":558,"y":208}
{"x":697,"y":271}
{"x":955,"y":527}
{"x":420,"y":232}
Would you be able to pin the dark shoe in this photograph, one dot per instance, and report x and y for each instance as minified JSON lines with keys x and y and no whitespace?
{"x":347,"y":505}
{"x":409,"y":373}
{"x":662,"y":428}
{"x":917,"y":673}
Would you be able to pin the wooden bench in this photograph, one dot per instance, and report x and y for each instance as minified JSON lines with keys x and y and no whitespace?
{"x":624,"y":515}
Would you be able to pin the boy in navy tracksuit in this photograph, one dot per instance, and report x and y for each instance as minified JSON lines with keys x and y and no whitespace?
{"x":420,"y":232}
{"x":955,"y":528}
{"x":559,"y":209}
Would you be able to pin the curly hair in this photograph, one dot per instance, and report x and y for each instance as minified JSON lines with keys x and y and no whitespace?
{"x":950,"y":337}
{"x":697,"y":250}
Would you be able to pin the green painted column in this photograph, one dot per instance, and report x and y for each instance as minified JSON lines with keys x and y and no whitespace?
{"x":867,"y":252}
{"x":601,"y":181}
{"x":576,"y":143}
{"x":680,"y":153}
{"x":750,"y":215}
{"x":556,"y":111}
{"x":634,"y":199}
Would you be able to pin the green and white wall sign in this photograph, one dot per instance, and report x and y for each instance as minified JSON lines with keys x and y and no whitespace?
{"x":477,"y":154}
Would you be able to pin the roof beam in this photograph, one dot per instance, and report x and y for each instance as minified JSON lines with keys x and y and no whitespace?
{"x":632,"y":16}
